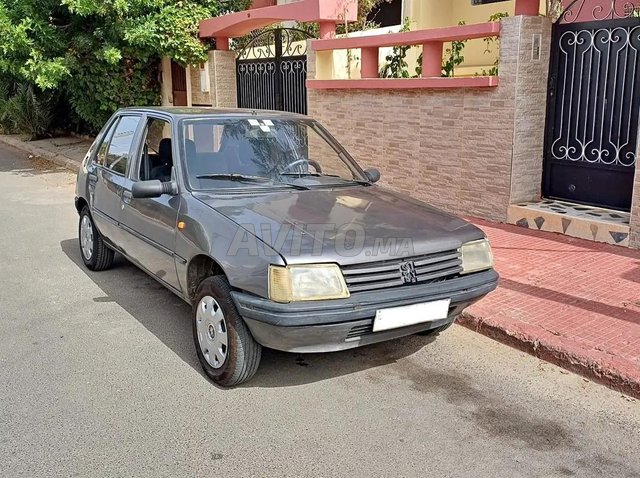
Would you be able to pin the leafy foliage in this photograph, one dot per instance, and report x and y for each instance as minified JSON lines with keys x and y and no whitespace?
{"x":453,"y":56}
{"x":492,"y":41}
{"x":26,"y":111}
{"x":101,"y":54}
{"x":554,"y":9}
{"x":395,"y":63}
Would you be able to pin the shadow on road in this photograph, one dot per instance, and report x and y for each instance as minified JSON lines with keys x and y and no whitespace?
{"x":169,"y":318}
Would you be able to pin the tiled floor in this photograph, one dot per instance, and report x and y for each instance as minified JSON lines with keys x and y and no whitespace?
{"x":586,"y":293}
{"x":578,"y":210}
{"x":584,"y":222}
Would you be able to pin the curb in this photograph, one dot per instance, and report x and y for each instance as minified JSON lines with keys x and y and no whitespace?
{"x":608,"y":370}
{"x":58,"y":159}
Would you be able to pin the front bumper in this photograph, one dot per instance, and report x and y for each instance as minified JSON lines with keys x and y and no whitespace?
{"x":332,"y":325}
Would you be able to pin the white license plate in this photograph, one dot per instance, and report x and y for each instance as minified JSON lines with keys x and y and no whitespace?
{"x":396,"y":317}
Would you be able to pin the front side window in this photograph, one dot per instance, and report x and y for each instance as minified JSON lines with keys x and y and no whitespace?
{"x":119,"y":149}
{"x":258,"y":152}
{"x":157,"y":151}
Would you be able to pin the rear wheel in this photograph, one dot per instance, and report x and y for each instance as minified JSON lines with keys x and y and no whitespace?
{"x":95,"y":253}
{"x":226,"y":349}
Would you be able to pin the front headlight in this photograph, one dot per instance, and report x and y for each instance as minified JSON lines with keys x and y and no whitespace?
{"x":306,"y":282}
{"x":476,"y":256}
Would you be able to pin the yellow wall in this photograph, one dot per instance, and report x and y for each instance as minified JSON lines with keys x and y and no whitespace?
{"x":424,"y":14}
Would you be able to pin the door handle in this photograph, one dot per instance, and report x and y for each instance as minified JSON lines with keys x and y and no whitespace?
{"x":127,"y":197}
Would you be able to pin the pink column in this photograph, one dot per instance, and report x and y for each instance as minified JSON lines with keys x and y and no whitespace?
{"x":432,"y":59}
{"x":327,"y":30}
{"x":369,"y":62}
{"x":222,"y":43}
{"x":529,"y":8}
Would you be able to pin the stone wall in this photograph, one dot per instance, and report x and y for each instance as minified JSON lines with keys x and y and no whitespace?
{"x":453,"y":148}
{"x":634,"y":223}
{"x":530,"y":110}
{"x":222,"y":75}
{"x":199,"y":97}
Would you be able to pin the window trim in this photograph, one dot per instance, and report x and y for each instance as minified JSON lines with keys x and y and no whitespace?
{"x":110,"y":132}
{"x":134,"y":173}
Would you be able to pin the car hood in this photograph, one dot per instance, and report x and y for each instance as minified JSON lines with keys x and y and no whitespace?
{"x":342,"y":225}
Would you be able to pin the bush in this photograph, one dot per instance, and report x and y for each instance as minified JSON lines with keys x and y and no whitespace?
{"x":25,"y":111}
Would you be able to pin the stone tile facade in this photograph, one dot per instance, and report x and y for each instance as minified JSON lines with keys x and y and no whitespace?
{"x":530,"y":109}
{"x":452,"y":148}
{"x":222,"y":74}
{"x":199,"y":97}
{"x":634,"y":237}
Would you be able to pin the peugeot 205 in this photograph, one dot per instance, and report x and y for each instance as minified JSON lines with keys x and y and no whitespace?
{"x":273,"y":234}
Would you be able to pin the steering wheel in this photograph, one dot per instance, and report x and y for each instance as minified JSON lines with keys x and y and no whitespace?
{"x":300,"y":162}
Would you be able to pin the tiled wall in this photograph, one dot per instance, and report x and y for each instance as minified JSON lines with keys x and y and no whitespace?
{"x":222,"y":75}
{"x":452,"y":148}
{"x":198,"y":97}
{"x":530,"y":111}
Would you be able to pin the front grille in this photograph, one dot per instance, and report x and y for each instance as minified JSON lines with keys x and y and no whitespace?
{"x":360,"y":330}
{"x":388,"y":274}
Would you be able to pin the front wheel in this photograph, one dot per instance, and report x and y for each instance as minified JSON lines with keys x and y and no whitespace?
{"x":95,"y":253}
{"x":226,"y":349}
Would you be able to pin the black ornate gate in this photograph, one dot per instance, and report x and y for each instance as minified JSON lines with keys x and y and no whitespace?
{"x":271,"y":71}
{"x":594,"y":104}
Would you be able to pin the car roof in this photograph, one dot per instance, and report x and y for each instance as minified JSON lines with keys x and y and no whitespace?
{"x":181,"y":112}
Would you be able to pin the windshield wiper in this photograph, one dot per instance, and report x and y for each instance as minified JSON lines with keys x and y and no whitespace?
{"x":235,"y":177}
{"x":249,"y":179}
{"x":319,"y":175}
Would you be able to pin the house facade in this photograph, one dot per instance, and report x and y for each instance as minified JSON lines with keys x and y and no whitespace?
{"x":547,"y":140}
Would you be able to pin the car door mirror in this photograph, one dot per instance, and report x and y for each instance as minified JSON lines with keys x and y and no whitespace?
{"x":373,"y":175}
{"x":151,"y":189}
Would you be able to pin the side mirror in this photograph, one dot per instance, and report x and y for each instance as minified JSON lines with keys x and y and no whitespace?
{"x":151,"y":189}
{"x":372,"y":174}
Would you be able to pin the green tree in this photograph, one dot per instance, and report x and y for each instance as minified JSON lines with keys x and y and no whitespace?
{"x":101,"y":54}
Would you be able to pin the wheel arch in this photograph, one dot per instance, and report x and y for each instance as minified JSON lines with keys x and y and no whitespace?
{"x":80,"y":203}
{"x":199,"y":268}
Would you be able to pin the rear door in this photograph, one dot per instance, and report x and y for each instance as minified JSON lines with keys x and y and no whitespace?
{"x":108,"y":174}
{"x":149,"y":224}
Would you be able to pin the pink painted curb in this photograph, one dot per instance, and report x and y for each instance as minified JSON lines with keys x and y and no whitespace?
{"x":593,"y":364}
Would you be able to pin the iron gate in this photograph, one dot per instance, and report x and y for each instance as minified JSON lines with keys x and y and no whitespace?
{"x":271,"y":71}
{"x":593,"y":106}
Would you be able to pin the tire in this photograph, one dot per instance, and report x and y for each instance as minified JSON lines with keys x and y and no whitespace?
{"x":214,"y":337}
{"x":436,"y":331}
{"x":97,"y":257}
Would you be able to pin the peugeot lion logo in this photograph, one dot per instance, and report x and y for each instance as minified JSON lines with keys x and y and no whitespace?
{"x":408,"y":271}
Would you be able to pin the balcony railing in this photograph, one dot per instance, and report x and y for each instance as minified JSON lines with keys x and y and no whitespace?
{"x":432,"y":41}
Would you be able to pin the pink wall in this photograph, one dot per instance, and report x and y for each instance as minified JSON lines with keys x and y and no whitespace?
{"x":590,"y":10}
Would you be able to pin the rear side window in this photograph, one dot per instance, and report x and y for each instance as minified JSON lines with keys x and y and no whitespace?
{"x":115,"y":152}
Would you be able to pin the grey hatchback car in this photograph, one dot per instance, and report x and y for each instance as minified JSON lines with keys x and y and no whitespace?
{"x":274,"y":235}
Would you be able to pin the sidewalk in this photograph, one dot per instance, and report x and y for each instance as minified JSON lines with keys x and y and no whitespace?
{"x":572,"y":302}
{"x":568,"y":301}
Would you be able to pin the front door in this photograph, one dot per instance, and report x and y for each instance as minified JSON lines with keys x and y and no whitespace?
{"x":179,"y":84}
{"x":592,"y":119}
{"x":149,"y":225}
{"x":108,"y":174}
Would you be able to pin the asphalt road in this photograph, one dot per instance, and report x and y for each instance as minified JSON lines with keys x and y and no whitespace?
{"x":98,"y":377}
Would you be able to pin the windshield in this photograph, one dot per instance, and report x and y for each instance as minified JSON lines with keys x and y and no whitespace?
{"x":257,"y":153}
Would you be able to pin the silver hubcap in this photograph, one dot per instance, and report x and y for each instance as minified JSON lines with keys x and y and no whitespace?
{"x":86,"y":237}
{"x":212,"y":331}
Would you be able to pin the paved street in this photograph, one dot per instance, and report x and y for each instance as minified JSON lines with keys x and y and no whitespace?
{"x":99,"y":377}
